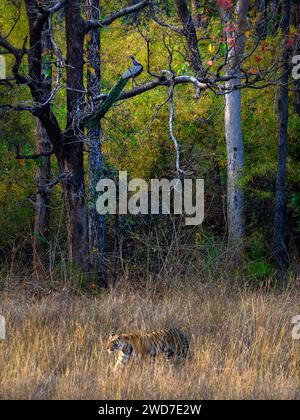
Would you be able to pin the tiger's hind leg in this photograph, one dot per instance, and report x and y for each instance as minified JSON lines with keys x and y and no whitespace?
{"x":168,"y":353}
{"x":174,"y":360}
{"x":177,"y":358}
{"x":184,"y":351}
{"x":152,"y":356}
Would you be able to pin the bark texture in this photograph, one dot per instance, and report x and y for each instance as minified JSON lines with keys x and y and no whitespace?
{"x":40,"y":241}
{"x":71,"y":160}
{"x":190,"y":35}
{"x":96,"y":221}
{"x":233,"y":128}
{"x":195,"y":13}
{"x":42,"y":205}
{"x":280,"y":251}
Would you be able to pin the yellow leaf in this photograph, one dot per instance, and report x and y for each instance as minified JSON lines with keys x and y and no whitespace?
{"x":211,"y":48}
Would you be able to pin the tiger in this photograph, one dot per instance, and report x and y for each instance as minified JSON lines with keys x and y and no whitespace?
{"x":170,"y":342}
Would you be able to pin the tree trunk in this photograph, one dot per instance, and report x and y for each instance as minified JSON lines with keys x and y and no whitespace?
{"x":96,"y":221}
{"x":261,"y":26}
{"x":235,"y":164}
{"x":280,"y":251}
{"x":71,"y":160}
{"x":190,"y":35}
{"x":41,"y":217}
{"x":295,"y":16}
{"x":233,"y":130}
{"x":40,"y":241}
{"x":274,"y":12}
{"x":195,"y":13}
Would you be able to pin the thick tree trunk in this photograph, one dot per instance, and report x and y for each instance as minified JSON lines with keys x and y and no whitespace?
{"x":280,"y":251}
{"x":71,"y":160}
{"x":235,"y":164}
{"x":233,"y":130}
{"x":96,"y":221}
{"x":41,"y":217}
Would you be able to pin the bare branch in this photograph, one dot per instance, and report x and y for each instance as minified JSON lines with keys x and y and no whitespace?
{"x":163,"y":81}
{"x":56,"y":7}
{"x":167,"y":25}
{"x":94,"y":24}
{"x":171,"y":128}
{"x":34,"y":156}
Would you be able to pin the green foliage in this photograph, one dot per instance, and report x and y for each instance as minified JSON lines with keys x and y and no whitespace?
{"x":259,"y":270}
{"x":257,"y":258}
{"x":136,"y":133}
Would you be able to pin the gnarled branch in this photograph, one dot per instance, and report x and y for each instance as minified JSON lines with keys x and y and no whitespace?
{"x":94,"y":24}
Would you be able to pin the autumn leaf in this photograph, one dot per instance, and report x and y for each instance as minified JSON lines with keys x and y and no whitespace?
{"x":231,"y":41}
{"x":204,"y":18}
{"x":253,"y":71}
{"x":264,"y":46}
{"x":225,"y":4}
{"x":211,"y":48}
{"x":258,"y":58}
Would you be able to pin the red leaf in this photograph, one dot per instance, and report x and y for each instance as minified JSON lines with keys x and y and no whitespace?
{"x":264,"y":46}
{"x":226,"y":4}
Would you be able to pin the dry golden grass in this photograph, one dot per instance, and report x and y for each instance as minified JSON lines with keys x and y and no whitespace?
{"x":241,"y":345}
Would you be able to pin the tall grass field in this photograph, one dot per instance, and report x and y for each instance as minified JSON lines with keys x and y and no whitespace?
{"x":241,"y":343}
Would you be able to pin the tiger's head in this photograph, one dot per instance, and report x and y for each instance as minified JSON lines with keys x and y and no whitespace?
{"x":118,"y":342}
{"x":114,"y":342}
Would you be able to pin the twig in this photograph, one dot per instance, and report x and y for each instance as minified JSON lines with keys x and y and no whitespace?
{"x":171,"y":127}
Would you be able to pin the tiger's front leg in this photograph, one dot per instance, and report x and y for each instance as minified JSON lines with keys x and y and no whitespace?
{"x":123,"y":359}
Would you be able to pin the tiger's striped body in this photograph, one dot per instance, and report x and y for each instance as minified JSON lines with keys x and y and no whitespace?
{"x":172,"y":343}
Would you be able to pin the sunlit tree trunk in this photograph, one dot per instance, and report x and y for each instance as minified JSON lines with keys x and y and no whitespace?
{"x":233,"y":128}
